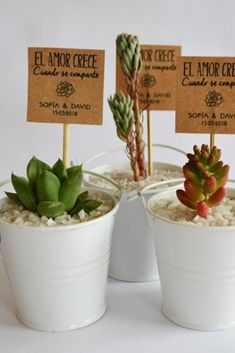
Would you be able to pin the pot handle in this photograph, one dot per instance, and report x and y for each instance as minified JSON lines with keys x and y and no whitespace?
{"x":173,"y":148}
{"x":3,"y":183}
{"x":100,"y":154}
{"x":156,"y":187}
{"x":118,"y":194}
{"x":112,"y":150}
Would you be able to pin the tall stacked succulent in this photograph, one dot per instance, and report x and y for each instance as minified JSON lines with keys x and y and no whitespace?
{"x":51,"y":191}
{"x":205,"y":179}
{"x":128,"y":51}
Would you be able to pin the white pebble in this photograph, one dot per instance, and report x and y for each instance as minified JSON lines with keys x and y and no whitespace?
{"x":44,"y":219}
{"x":50,"y":222}
{"x":82,"y":214}
{"x":33,"y":218}
{"x":19,"y":221}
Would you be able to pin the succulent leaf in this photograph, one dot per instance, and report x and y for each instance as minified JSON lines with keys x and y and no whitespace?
{"x":221,"y":173}
{"x":74,"y":170}
{"x":59,"y":170}
{"x":202,"y":209}
{"x":87,"y":206}
{"x":189,"y":174}
{"x":196,"y":150}
{"x":13,"y":197}
{"x":183,"y":198}
{"x":51,"y":209}
{"x":216,"y":167}
{"x":82,"y":197}
{"x":24,"y":192}
{"x":210,"y":185}
{"x":84,"y":203}
{"x":70,"y":188}
{"x":192,"y":191}
{"x":48,"y":187}
{"x":204,"y":155}
{"x":217,"y":197}
{"x":34,"y":168}
{"x":91,"y":205}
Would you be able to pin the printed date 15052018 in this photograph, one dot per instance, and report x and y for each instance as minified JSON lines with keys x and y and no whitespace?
{"x":214,"y":123}
{"x":64,"y":113}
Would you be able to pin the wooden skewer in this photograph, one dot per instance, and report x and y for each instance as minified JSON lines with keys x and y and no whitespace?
{"x":66,"y":145}
{"x":149,"y":128}
{"x":212,"y":141}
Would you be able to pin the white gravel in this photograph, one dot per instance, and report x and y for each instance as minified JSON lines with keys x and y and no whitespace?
{"x":11,"y":213}
{"x":172,"y":209}
{"x":124,"y":178}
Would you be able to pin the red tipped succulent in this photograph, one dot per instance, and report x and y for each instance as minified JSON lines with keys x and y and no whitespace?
{"x":205,"y":178}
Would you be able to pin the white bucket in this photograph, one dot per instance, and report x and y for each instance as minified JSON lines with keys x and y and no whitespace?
{"x":197,"y":270}
{"x":132,"y":253}
{"x":58,"y":275}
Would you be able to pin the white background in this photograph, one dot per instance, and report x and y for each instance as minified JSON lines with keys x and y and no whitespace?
{"x":202,"y":27}
{"x":133,"y":323}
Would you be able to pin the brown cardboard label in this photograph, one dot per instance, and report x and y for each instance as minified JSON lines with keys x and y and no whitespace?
{"x":65,"y":85}
{"x":205,"y":97}
{"x":157,"y":77}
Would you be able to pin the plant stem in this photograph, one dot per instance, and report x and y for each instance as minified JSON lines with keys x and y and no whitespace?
{"x":139,"y":140}
{"x":138,"y":127}
{"x":133,"y":159}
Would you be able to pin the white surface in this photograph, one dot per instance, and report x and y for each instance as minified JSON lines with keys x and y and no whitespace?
{"x":202,"y":27}
{"x":133,"y":323}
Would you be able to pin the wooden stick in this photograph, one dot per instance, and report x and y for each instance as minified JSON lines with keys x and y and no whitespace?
{"x":66,"y":145}
{"x":149,"y":128}
{"x":212,"y":141}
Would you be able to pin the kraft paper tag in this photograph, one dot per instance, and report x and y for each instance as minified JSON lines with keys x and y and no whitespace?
{"x":157,"y":77}
{"x":205,"y":98}
{"x":65,"y":85}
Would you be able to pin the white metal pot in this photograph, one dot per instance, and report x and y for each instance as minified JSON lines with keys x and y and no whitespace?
{"x":58,"y":275}
{"x":132,"y":252}
{"x":197,"y":270}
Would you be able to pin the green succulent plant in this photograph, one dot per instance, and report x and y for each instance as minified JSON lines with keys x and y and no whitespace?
{"x":121,"y":106}
{"x":205,"y":177}
{"x":51,"y":191}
